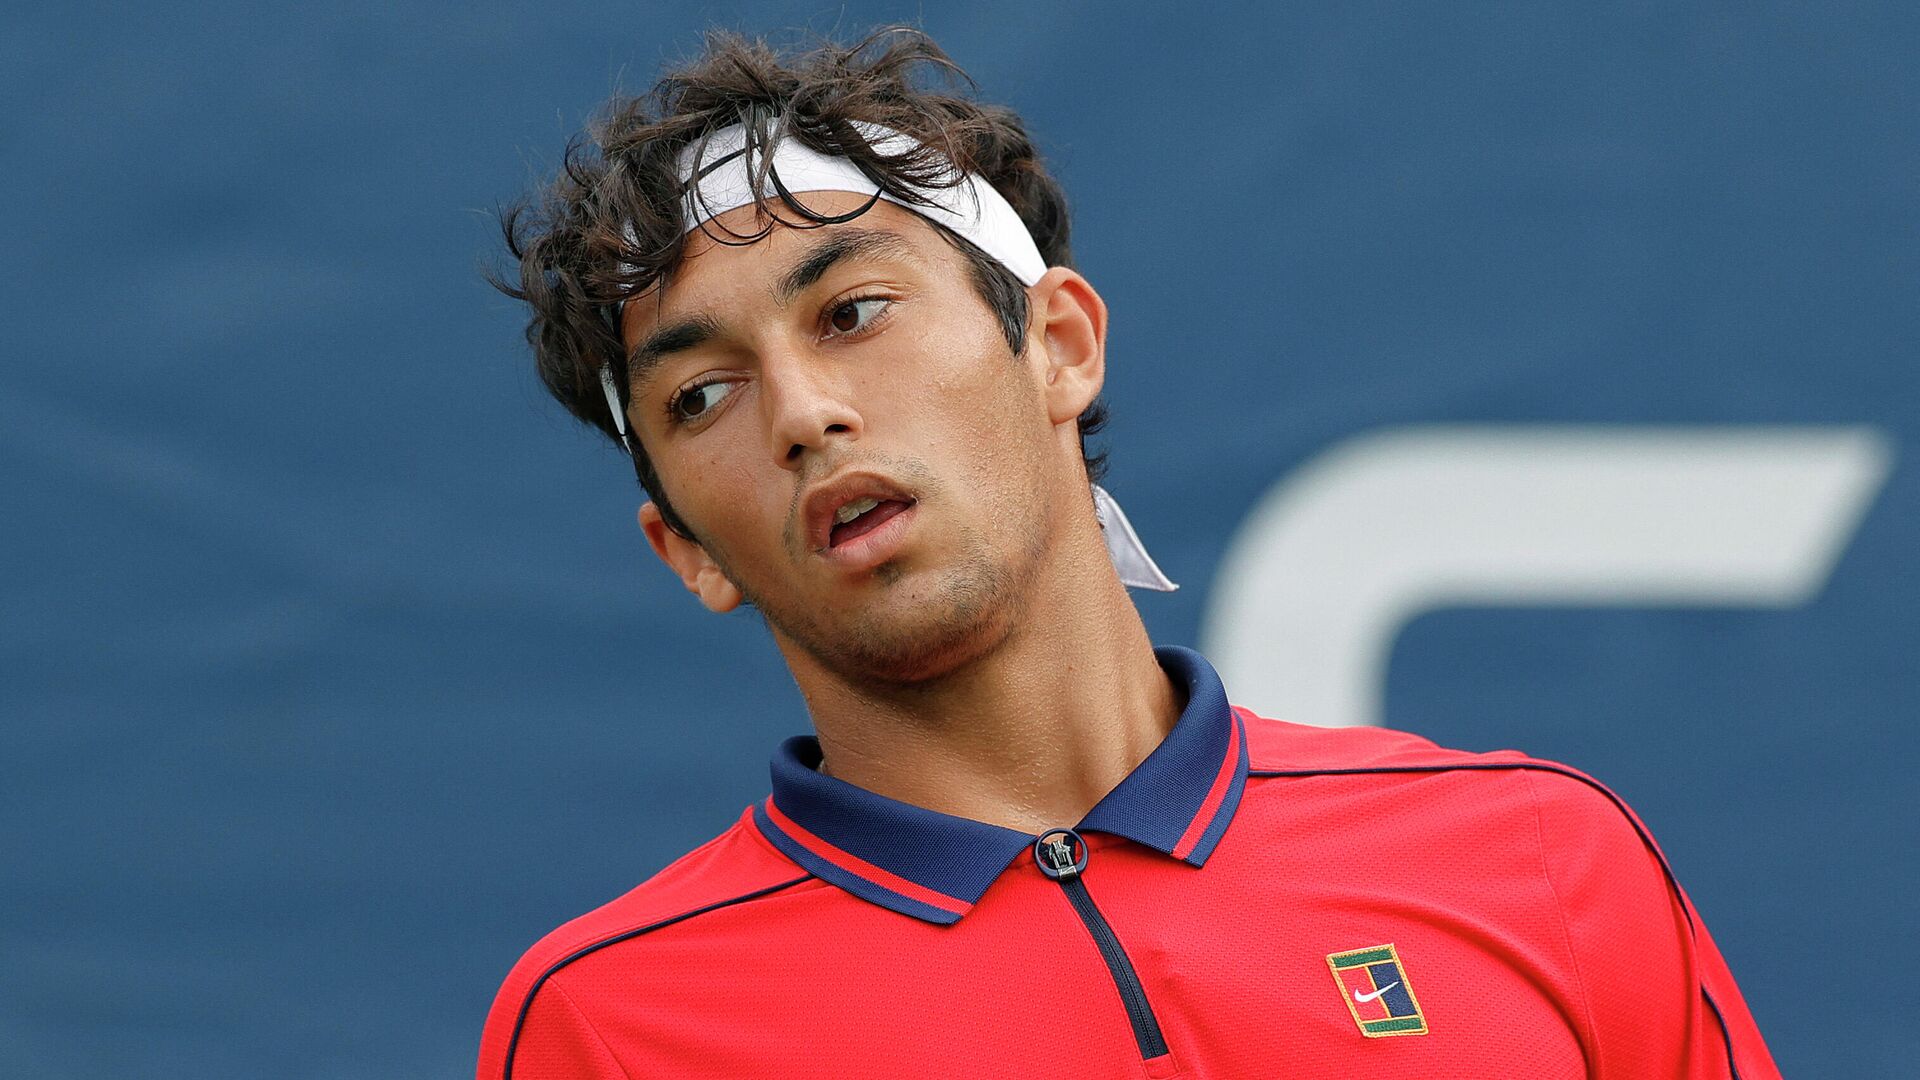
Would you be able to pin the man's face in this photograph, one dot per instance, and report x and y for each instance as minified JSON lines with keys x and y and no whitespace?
{"x":836,"y":416}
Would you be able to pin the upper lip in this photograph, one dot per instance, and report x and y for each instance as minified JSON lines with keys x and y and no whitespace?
{"x":825,"y":499}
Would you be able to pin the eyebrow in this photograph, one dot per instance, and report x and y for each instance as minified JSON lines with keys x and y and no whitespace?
{"x":695,"y":330}
{"x":851,"y":243}
{"x":676,"y":336}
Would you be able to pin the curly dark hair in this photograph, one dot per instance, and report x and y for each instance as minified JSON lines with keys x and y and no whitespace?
{"x":609,"y":225}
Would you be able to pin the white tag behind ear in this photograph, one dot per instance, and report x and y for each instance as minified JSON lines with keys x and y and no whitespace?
{"x":1137,"y":568}
{"x":613,"y":404}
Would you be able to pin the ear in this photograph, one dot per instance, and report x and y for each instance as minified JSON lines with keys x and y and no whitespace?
{"x":689,"y":562}
{"x":1071,"y":322}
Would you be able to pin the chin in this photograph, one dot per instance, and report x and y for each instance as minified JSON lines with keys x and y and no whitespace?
{"x":914,"y":633}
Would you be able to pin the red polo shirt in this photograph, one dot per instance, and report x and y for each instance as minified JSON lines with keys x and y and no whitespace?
{"x":1258,"y":898}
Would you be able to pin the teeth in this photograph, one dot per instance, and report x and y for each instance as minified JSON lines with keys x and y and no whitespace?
{"x":855,"y":509}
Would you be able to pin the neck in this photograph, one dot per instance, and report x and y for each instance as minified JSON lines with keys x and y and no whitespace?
{"x":1030,"y":734}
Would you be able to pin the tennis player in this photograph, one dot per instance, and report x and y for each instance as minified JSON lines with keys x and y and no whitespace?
{"x":827,"y":306}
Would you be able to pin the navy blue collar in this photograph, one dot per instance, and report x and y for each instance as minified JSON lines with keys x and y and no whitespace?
{"x":935,"y":866}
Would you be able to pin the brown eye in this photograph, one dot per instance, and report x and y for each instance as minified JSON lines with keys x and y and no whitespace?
{"x":854,"y":315}
{"x":694,"y":401}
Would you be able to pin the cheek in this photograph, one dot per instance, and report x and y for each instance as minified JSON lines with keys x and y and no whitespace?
{"x":968,"y":384}
{"x":718,"y":490}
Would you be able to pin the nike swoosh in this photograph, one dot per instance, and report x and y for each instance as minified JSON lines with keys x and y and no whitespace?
{"x":1364,"y":998}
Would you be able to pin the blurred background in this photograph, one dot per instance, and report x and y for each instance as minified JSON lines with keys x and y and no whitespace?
{"x":1546,"y":376}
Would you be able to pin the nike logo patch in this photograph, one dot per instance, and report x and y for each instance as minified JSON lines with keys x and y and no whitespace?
{"x":1364,"y":998}
{"x":1374,"y":980}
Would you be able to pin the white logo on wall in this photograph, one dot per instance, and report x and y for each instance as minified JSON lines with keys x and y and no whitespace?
{"x":1342,"y":553}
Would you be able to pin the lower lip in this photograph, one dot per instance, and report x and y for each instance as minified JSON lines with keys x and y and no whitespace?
{"x":870,"y":549}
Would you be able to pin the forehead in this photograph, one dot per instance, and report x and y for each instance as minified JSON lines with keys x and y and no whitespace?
{"x":717,"y":272}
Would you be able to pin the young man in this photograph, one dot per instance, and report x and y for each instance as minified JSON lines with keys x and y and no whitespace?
{"x":832,"y":316}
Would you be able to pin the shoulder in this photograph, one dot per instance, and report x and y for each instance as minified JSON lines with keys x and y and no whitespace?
{"x":1573,"y":807}
{"x":1277,"y":746}
{"x":735,"y":868}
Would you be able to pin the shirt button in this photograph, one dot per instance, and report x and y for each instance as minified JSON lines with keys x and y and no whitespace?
{"x":1061,"y":853}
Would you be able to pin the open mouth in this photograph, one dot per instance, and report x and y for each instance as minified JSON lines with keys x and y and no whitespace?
{"x":862,"y":516}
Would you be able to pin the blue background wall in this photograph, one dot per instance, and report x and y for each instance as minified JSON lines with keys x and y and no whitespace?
{"x":333,"y":671}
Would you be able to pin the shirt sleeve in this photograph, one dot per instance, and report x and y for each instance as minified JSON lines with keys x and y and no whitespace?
{"x":553,"y":1041}
{"x":1660,"y":1000}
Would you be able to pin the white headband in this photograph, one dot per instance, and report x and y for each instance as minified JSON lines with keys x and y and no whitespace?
{"x":971,"y":208}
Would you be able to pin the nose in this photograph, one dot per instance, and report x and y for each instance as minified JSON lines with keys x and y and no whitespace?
{"x":806,"y":407}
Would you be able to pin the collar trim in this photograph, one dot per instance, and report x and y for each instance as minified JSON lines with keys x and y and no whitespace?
{"x":935,"y":867}
{"x":852,"y":873}
{"x":1210,"y":823}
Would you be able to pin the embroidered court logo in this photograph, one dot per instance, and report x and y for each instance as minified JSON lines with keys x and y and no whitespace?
{"x":1374,"y":985}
